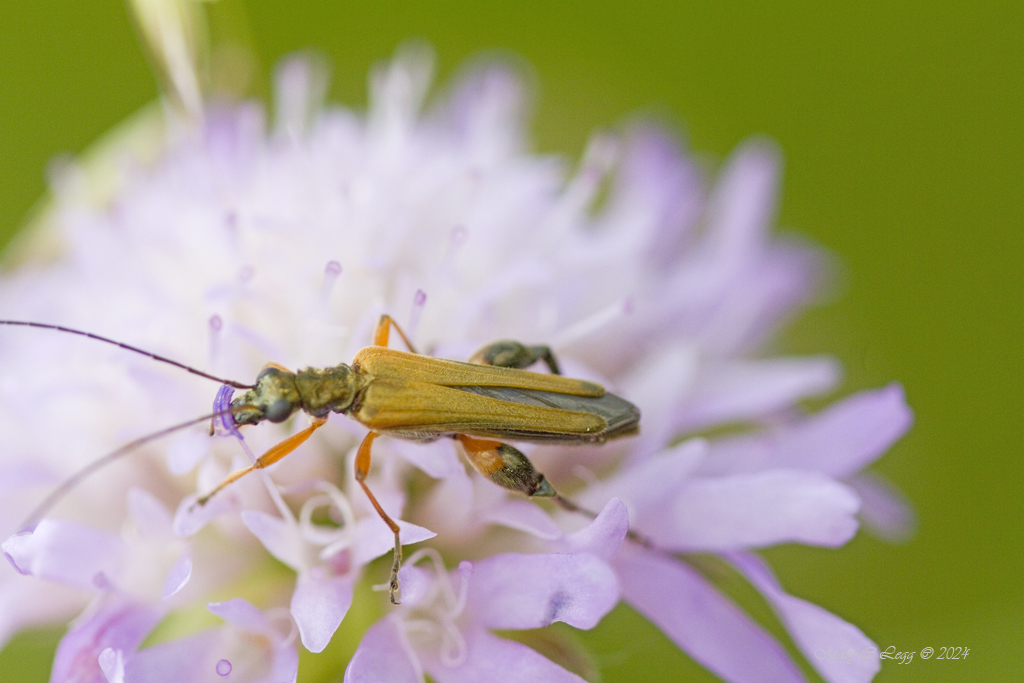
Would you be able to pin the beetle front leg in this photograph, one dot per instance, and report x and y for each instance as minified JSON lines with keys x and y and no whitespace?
{"x":511,"y":354}
{"x":506,"y":466}
{"x":272,"y":455}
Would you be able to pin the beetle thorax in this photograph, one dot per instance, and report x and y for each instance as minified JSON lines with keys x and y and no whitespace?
{"x":325,"y":390}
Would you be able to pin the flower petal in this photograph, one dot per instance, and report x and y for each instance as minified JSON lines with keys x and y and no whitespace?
{"x":384,"y":656}
{"x":701,"y":621}
{"x":753,"y":510}
{"x":177,"y":576}
{"x":281,"y":539}
{"x":119,"y":625}
{"x":319,"y":603}
{"x":604,"y":535}
{"x":373,"y":538}
{"x":820,"y":635}
{"x":884,"y":510}
{"x":838,"y":441}
{"x":744,"y":390}
{"x":516,"y":591}
{"x":523,"y":516}
{"x":148,"y":514}
{"x":490,"y":659}
{"x":67,"y":552}
{"x":648,"y":484}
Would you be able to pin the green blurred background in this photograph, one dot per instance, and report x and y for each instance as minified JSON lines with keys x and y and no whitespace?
{"x":901,"y":128}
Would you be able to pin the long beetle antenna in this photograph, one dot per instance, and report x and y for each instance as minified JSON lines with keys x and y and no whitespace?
{"x":75,"y":479}
{"x":128,"y":347}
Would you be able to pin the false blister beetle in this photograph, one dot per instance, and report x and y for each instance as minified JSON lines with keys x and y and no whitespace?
{"x":410,"y":396}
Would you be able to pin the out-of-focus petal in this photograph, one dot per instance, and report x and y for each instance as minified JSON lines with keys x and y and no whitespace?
{"x":384,"y":656}
{"x":648,"y":484}
{"x":111,"y":663}
{"x":523,"y":516}
{"x":190,"y":517}
{"x":764,"y":508}
{"x":438,"y":458}
{"x":746,"y":390}
{"x":149,"y":515}
{"x":701,"y":621}
{"x":836,"y":648}
{"x":490,"y":659}
{"x":883,"y":509}
{"x":281,"y":539}
{"x":65,"y":551}
{"x":319,"y":603}
{"x":516,"y":591}
{"x":118,"y":625}
{"x":241,"y":613}
{"x":177,"y":576}
{"x":838,"y":441}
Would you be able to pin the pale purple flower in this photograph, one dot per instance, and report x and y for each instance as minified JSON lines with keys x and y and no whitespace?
{"x":102,"y":647}
{"x":223,"y":245}
{"x":443,"y":626}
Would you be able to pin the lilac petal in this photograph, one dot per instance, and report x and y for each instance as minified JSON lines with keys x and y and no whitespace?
{"x":529,"y":591}
{"x":177,"y":576}
{"x":741,"y":210}
{"x":185,"y":659}
{"x":883,"y":509}
{"x":299,"y":87}
{"x":753,"y":510}
{"x":185,"y":451}
{"x":120,"y":626}
{"x":18,"y":476}
{"x":241,"y":613}
{"x":438,"y":459}
{"x":67,"y":552}
{"x":485,"y":114}
{"x":284,"y":665}
{"x":384,"y":656}
{"x":646,"y":485}
{"x":744,"y":390}
{"x":281,"y":539}
{"x":149,"y":515}
{"x":374,"y":538}
{"x":604,"y":535}
{"x":204,"y":657}
{"x":702,"y":621}
{"x":522,"y":516}
{"x":659,"y":387}
{"x":319,"y":603}
{"x":24,"y":604}
{"x":851,"y":434}
{"x":819,"y":634}
{"x":190,"y":518}
{"x":490,"y":659}
{"x":416,"y":584}
{"x":838,"y":441}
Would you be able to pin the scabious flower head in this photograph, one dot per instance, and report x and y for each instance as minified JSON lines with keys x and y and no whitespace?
{"x":229,"y":243}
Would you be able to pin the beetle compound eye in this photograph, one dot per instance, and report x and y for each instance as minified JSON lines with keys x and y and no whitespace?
{"x":278,"y":411}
